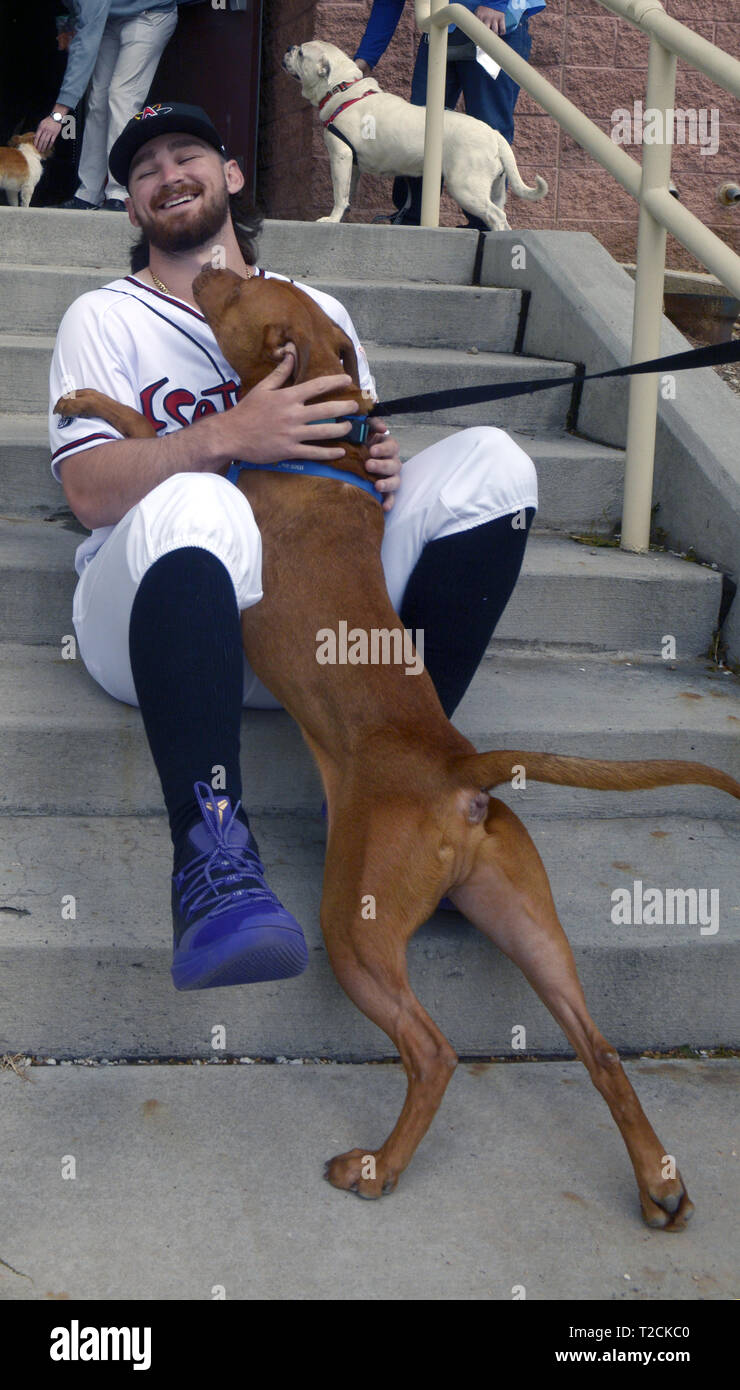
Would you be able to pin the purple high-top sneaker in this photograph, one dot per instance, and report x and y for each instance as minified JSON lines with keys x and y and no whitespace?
{"x":229,"y":928}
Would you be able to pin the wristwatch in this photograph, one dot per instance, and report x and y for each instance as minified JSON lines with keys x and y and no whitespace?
{"x":57,"y":116}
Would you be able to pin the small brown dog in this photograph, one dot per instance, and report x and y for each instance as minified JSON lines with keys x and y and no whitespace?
{"x":21,"y":168}
{"x":410,"y":815}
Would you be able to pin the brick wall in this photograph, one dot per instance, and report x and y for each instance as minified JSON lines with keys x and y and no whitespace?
{"x":597,"y":60}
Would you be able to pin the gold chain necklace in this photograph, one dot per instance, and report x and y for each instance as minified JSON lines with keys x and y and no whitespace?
{"x":161,"y":286}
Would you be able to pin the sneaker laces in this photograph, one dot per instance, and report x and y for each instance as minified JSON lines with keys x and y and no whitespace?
{"x":204,"y":882}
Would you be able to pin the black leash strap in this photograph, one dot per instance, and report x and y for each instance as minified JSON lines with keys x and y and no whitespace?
{"x":712,"y":356}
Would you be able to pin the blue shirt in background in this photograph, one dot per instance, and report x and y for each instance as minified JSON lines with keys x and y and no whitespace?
{"x":385,"y":15}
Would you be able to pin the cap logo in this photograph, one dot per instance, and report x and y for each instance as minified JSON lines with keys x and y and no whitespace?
{"x":158,"y":110}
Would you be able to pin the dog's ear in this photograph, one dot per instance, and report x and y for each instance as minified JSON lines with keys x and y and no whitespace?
{"x":323,"y":67}
{"x":347,"y":355}
{"x":273,"y":342}
{"x":14,"y":141}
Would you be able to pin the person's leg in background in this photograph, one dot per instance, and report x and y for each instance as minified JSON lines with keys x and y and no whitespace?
{"x":492,"y":99}
{"x":93,"y":166}
{"x":143,"y":40}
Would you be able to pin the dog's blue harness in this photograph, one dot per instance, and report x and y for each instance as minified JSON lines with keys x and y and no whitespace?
{"x":357,"y":435}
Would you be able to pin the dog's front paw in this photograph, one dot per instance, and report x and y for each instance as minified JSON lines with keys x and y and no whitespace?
{"x":361,"y":1172}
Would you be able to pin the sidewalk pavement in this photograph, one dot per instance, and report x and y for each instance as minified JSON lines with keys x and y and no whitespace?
{"x":193,"y":1176}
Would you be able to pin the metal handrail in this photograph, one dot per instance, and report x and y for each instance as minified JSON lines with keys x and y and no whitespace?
{"x":648,"y":183}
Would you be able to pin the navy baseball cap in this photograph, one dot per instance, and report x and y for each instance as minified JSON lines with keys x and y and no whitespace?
{"x":160,"y":119}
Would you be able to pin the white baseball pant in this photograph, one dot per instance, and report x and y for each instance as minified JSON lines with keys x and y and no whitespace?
{"x":470,"y":478}
{"x":127,"y":60}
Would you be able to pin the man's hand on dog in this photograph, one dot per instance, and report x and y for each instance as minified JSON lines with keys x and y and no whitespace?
{"x":385,"y":460}
{"x":274,"y":421}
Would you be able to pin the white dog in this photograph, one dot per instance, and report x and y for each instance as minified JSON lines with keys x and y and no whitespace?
{"x":20,"y":169}
{"x":387,"y":136}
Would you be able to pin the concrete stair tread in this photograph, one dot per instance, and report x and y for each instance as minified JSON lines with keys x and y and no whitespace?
{"x":524,"y":694}
{"x":44,"y":545}
{"x":118,"y":858}
{"x":99,"y":984}
{"x":477,"y":362}
{"x":398,"y":370}
{"x":580,"y":481}
{"x":629,"y":601}
{"x":32,"y":429}
{"x":517,"y":696}
{"x":542,"y":447}
{"x":448,"y":315}
{"x":17,"y":427}
{"x":434,"y":357}
{"x":299,"y":249}
{"x":69,"y":747}
{"x":11,"y":341}
{"x":335,"y":285}
{"x":42,"y":269}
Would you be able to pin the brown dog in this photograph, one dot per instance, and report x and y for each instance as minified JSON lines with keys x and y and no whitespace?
{"x":409,"y":813}
{"x":20,"y":168}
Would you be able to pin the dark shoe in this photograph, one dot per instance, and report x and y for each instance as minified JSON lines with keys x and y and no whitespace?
{"x":114,"y":205}
{"x":80,"y":204}
{"x":398,"y":219}
{"x":229,"y":927}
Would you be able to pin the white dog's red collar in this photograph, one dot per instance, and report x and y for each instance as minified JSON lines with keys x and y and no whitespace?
{"x":352,"y":102}
{"x":341,"y":87}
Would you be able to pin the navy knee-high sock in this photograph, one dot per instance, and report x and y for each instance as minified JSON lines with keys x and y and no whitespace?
{"x":186,"y":659}
{"x":456,"y":594}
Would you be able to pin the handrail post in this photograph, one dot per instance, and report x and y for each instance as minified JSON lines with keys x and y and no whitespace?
{"x":648,"y":308}
{"x":435,"y":109}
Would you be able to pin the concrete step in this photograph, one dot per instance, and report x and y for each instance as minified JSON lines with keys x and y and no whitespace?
{"x":437,"y":316}
{"x":99,"y":984}
{"x":446,"y":256}
{"x":580,"y":482}
{"x":567,"y":593}
{"x":399,"y":371}
{"x":35,"y":298}
{"x":69,"y":748}
{"x":405,"y":371}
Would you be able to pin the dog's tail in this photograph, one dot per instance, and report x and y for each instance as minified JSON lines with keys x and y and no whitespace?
{"x":489,"y":770}
{"x":516,"y":182}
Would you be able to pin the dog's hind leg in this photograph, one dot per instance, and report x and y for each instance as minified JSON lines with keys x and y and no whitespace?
{"x":368,"y":956}
{"x":507,"y":896}
{"x":472,"y":195}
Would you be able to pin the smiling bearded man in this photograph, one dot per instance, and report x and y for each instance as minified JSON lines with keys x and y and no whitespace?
{"x":175,"y":552}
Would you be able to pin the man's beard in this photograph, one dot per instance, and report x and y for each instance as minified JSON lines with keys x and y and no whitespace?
{"x":211,"y":218}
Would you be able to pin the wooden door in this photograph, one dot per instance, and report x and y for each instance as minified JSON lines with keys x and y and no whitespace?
{"x":213,"y":61}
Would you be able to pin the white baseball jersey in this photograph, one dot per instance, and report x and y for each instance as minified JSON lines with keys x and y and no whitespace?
{"x":154,"y":353}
